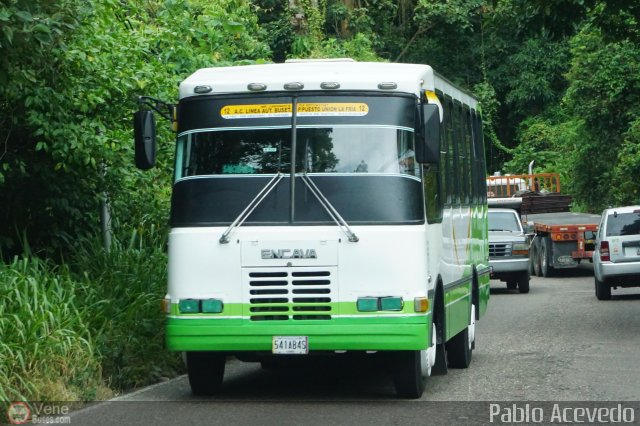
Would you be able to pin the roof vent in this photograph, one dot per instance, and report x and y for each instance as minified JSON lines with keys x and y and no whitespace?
{"x":388,"y":85}
{"x":330,"y":85}
{"x":202,"y":89}
{"x":296,"y":85}
{"x":256,"y":87}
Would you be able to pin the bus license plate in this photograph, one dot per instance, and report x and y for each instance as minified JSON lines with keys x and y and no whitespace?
{"x":290,"y":345}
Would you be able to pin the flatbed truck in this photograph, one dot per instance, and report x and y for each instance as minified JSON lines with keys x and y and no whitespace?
{"x":559,"y":239}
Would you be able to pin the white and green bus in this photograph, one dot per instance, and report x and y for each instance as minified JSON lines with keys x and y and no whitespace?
{"x":323,"y":207}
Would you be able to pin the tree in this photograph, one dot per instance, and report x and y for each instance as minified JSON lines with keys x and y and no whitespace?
{"x":67,"y":110}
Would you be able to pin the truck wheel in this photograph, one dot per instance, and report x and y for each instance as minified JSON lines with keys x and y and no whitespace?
{"x":535,"y":257}
{"x":459,"y":348}
{"x":603,"y":290}
{"x":545,"y":258}
{"x":523,"y":282}
{"x":531,"y":269}
{"x":205,"y":371}
{"x":408,"y":378}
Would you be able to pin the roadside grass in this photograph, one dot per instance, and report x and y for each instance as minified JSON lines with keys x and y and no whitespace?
{"x":120,"y":296}
{"x":46,"y":348}
{"x":88,"y":328}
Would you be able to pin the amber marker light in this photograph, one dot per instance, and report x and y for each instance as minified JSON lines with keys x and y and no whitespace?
{"x":421,"y":304}
{"x":165,"y":305}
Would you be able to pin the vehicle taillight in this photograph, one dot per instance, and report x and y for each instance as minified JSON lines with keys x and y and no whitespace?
{"x":604,"y":251}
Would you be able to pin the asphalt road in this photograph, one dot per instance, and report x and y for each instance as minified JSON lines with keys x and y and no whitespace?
{"x":557,"y":343}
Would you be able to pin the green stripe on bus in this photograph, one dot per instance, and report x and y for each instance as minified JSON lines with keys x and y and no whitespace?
{"x":336,"y":308}
{"x":403,"y":333}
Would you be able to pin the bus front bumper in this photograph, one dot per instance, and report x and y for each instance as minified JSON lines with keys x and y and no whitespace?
{"x":407,"y":333}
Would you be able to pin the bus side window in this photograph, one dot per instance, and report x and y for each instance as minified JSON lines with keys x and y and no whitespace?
{"x":458,"y":180}
{"x":447,"y":170}
{"x":468,"y":152}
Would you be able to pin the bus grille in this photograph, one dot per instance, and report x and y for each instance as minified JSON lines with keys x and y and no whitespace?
{"x":499,"y":250}
{"x":291,"y":294}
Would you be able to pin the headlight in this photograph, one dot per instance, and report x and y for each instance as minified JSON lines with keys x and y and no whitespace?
{"x":520,"y":249}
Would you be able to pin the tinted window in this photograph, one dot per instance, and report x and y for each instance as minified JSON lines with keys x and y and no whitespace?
{"x":622,"y":224}
{"x":449,"y":166}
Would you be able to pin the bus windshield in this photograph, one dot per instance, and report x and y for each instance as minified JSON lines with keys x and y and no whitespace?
{"x":358,"y":151}
{"x":321,"y":149}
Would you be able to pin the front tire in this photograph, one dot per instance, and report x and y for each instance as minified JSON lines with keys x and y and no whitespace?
{"x":523,"y":282}
{"x":408,"y":375}
{"x":205,"y":371}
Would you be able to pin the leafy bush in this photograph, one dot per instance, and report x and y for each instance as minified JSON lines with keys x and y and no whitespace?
{"x":119,"y":295}
{"x":46,"y":349}
{"x":68,"y":331}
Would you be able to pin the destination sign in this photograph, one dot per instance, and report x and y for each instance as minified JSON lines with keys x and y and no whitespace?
{"x":325,"y":109}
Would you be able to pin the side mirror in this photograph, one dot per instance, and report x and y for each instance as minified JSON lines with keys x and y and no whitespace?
{"x":529,"y":228}
{"x":428,"y":143}
{"x":144,"y":131}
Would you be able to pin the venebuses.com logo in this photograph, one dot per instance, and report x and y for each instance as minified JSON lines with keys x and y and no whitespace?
{"x":18,"y":413}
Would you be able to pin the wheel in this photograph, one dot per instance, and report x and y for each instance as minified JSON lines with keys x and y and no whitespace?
{"x":523,"y":282}
{"x":535,"y":257}
{"x":545,"y":258}
{"x":603,"y":291}
{"x":512,"y":284}
{"x":205,"y":371}
{"x":532,"y":272}
{"x":408,"y":376}
{"x":459,"y":348}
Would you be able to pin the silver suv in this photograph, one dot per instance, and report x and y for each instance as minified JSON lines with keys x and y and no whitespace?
{"x":508,"y":249}
{"x":616,"y":259}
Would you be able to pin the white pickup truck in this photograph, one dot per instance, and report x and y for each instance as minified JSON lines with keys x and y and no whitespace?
{"x":508,"y":249}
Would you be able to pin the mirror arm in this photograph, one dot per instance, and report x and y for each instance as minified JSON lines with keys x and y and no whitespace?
{"x":157,"y":105}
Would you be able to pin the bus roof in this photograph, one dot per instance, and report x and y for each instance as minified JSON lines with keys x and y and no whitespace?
{"x":349,"y":74}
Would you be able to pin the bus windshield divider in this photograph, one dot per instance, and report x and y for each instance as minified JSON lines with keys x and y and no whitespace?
{"x":224,"y":239}
{"x":339,"y":220}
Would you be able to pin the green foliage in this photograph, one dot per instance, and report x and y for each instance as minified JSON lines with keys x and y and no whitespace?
{"x":495,"y":150}
{"x":119,"y":294}
{"x":626,"y":188}
{"x":68,"y":331}
{"x":604,"y":92}
{"x":274,"y":18}
{"x":358,"y":47}
{"x":66,"y":115}
{"x":540,"y":139}
{"x":46,"y":347}
{"x":534,"y":76}
{"x":558,"y":82}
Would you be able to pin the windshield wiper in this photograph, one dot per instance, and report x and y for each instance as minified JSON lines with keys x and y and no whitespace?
{"x":344,"y":226}
{"x":224,"y":239}
{"x":505,"y":230}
